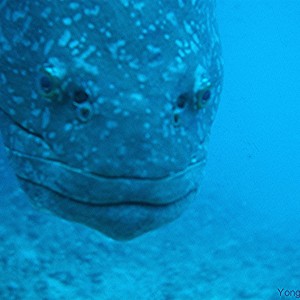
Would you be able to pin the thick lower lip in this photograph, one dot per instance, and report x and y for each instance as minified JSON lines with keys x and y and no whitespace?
{"x":127,"y":221}
{"x":97,"y":190}
{"x":119,"y":221}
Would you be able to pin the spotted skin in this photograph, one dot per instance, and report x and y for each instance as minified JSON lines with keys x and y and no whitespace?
{"x":106,"y":106}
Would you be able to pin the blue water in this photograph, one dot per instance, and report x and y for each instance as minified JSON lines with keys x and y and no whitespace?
{"x":239,"y":240}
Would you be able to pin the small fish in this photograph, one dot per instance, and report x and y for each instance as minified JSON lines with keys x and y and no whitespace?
{"x":106,"y":106}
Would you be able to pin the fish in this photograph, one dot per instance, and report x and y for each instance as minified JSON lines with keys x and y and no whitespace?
{"x":106,"y":107}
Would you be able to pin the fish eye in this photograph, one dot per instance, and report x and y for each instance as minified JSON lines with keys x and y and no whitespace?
{"x":202,"y":98}
{"x":47,"y":84}
{"x":84,"y":112}
{"x":206,"y":95}
{"x":80,"y":96}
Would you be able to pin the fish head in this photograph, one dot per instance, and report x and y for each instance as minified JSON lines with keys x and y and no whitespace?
{"x":107,"y":106}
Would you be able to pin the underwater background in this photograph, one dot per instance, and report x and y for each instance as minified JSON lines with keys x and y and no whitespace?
{"x":239,"y":240}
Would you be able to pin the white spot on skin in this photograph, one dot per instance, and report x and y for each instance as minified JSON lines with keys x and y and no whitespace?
{"x":181,"y":53}
{"x":52,"y":135}
{"x":81,"y":63}
{"x":142,"y":78}
{"x":18,"y":100}
{"x":67,"y":21}
{"x":75,"y":52}
{"x":125,"y":114}
{"x":11,"y":111}
{"x":171,"y":18}
{"x":35,"y":47}
{"x":180,"y":3}
{"x":194,"y":47}
{"x":56,"y":68}
{"x":125,"y":2}
{"x":196,"y":39}
{"x":36,"y":112}
{"x":187,"y":27}
{"x":45,"y":14}
{"x":92,"y":12}
{"x":18,"y":15}
{"x":138,"y":6}
{"x":73,"y":44}
{"x":201,"y":79}
{"x":67,"y":127}
{"x":152,"y":49}
{"x":134,"y":64}
{"x":45,"y":118}
{"x":179,"y":43}
{"x":111,"y":124}
{"x":26,"y":26}
{"x":64,"y":40}
{"x":113,"y":48}
{"x":88,"y":52}
{"x":77,"y":17}
{"x":136,"y":97}
{"x":3,"y":79}
{"x":108,"y":34}
{"x":152,"y":27}
{"x":91,"y":26}
{"x":122,"y":151}
{"x":74,"y":5}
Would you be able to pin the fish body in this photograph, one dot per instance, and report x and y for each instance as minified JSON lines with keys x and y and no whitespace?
{"x":106,"y":106}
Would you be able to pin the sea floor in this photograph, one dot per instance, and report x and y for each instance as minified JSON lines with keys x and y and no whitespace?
{"x":204,"y":255}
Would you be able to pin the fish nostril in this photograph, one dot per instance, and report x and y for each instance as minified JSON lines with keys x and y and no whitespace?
{"x":180,"y":105}
{"x":80,"y":96}
{"x":84,"y":112}
{"x":182,"y":101}
{"x":176,"y":119}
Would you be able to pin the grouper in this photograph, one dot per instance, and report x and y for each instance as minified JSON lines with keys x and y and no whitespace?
{"x":106,"y":106}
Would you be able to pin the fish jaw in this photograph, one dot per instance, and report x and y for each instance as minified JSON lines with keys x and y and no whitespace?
{"x":123,"y":220}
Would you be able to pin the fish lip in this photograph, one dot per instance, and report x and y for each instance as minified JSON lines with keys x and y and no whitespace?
{"x":138,"y":203}
{"x":118,"y":221}
{"x":92,"y":189}
{"x":126,"y":221}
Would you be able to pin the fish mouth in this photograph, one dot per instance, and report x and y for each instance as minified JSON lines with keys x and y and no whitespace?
{"x":95,"y":189}
{"x":128,"y":220}
{"x":123,"y":221}
{"x":121,"y":207}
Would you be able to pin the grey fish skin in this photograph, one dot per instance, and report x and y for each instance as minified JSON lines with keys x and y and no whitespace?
{"x":106,"y":106}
